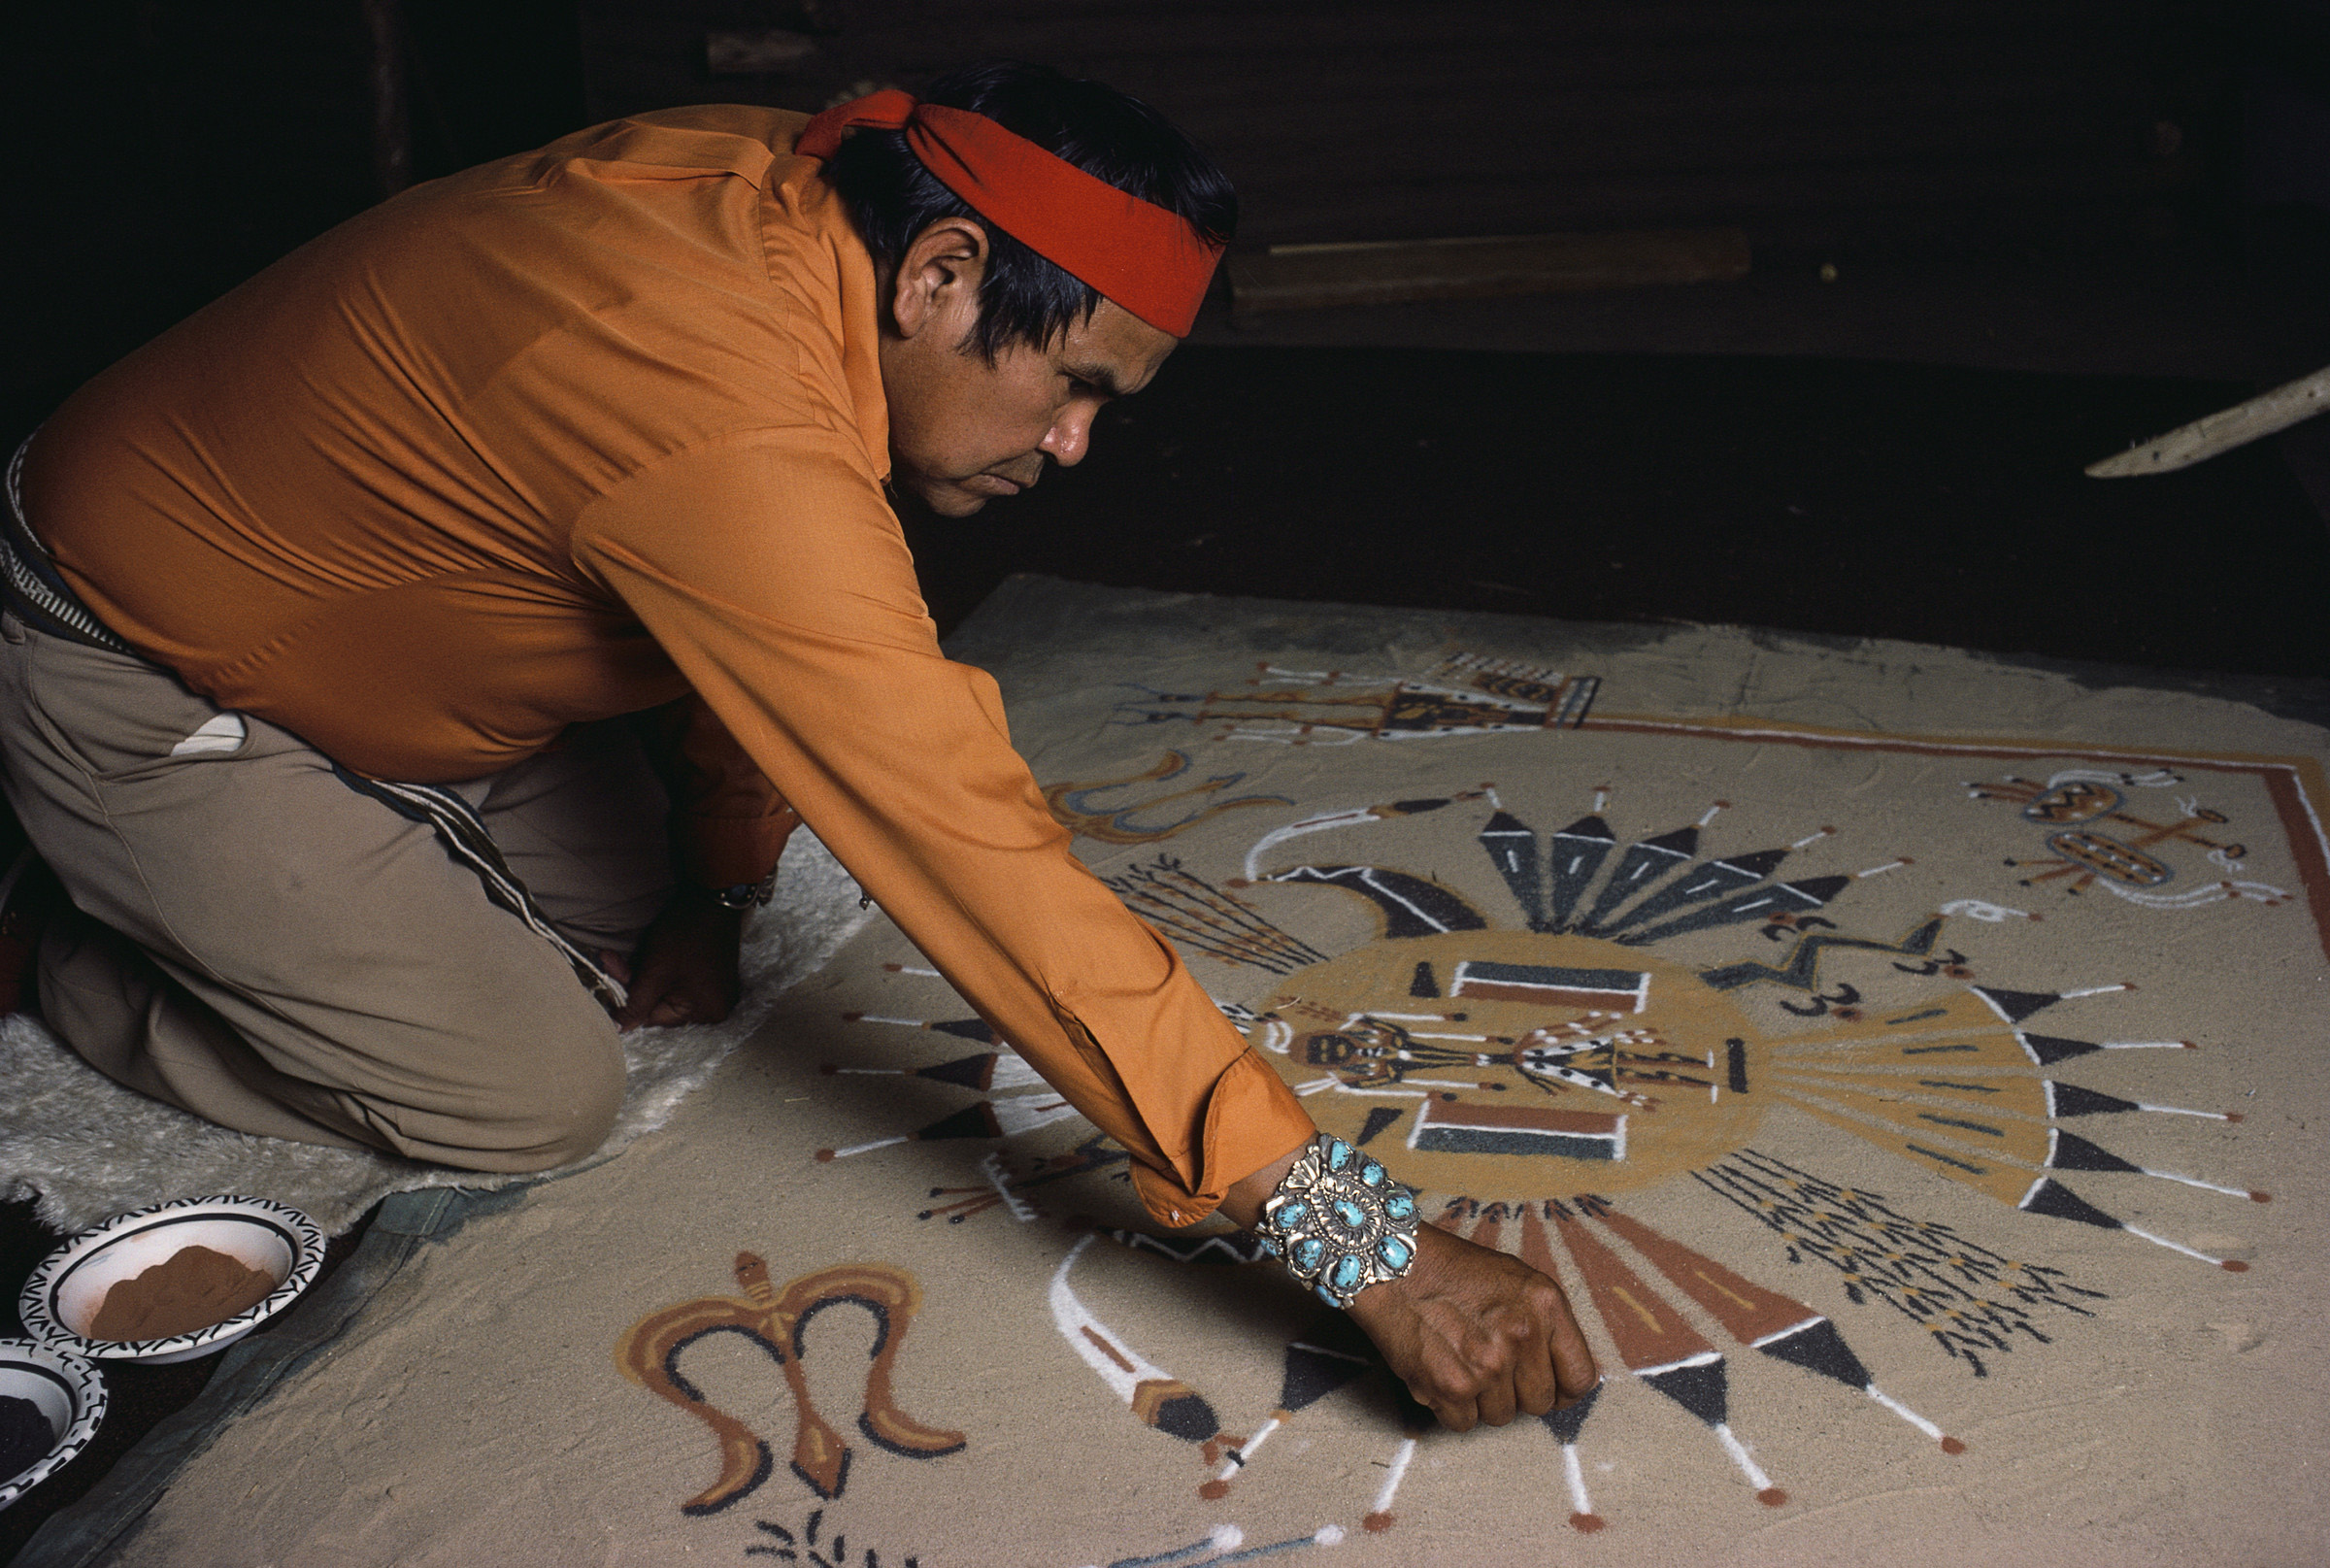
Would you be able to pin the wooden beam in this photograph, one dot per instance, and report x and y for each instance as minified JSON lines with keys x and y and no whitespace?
{"x":1390,"y":272}
{"x":391,"y":95}
{"x":2221,"y":431}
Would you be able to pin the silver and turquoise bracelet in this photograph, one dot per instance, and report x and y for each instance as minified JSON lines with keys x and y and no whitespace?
{"x":1339,"y":1222}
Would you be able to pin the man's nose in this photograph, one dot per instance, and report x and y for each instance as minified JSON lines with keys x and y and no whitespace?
{"x":1069,"y":436}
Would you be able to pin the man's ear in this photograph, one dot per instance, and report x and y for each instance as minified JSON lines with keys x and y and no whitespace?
{"x":939,"y":276}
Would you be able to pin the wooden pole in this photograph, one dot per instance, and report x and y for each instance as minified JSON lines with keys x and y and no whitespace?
{"x":1307,"y":277}
{"x":2221,"y":431}
{"x":391,"y":96}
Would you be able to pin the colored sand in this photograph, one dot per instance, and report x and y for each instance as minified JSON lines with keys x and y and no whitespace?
{"x":25,"y":1436}
{"x":194,"y":1288}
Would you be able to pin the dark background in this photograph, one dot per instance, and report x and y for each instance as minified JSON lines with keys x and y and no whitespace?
{"x":2055,"y":227}
{"x":1994,"y":240}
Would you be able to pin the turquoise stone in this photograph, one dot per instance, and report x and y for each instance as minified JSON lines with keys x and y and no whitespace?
{"x":1308,"y":1251}
{"x":1338,"y":1153}
{"x":1372,"y":1174}
{"x":1349,"y":1271}
{"x":1326,"y":1295}
{"x":1290,"y":1216}
{"x":1393,"y":1252}
{"x":1349,"y":1215}
{"x":1401,"y":1206}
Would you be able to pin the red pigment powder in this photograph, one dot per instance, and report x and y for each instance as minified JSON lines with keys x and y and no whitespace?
{"x":192,"y":1289}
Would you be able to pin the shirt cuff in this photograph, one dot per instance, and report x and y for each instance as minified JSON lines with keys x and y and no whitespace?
{"x":1252,"y":1117}
{"x":722,"y":851}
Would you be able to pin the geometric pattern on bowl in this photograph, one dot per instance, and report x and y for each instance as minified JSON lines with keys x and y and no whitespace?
{"x":62,"y":1298}
{"x":70,"y":1394}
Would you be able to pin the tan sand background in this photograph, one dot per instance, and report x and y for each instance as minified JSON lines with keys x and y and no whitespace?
{"x":476,"y":1414}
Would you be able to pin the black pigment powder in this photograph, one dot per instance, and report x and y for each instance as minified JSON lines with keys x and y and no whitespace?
{"x":25,"y":1436}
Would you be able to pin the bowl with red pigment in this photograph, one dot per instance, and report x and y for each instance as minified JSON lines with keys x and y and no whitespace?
{"x":171,"y":1281}
{"x":51,"y":1402}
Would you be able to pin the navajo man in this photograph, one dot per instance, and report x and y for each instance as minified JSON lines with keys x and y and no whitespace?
{"x":353,"y":621}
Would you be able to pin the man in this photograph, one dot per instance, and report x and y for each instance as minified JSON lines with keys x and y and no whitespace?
{"x":352,"y":618}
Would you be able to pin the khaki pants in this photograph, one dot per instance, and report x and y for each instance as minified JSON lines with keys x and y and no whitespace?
{"x":261,"y":944}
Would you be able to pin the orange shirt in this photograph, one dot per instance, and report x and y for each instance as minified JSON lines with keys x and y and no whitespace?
{"x":586,"y":431}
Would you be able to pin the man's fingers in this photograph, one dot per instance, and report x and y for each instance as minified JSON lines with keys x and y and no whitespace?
{"x":1573,"y":1359}
{"x":1535,"y":1385}
{"x":1456,"y":1415}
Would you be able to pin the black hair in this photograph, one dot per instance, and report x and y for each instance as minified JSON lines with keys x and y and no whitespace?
{"x":1023,"y":298}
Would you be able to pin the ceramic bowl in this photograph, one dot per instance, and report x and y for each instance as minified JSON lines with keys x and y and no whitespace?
{"x":70,"y":1397}
{"x":62,"y":1298}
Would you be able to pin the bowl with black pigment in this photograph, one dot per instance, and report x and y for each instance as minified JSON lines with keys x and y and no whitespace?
{"x":51,"y":1402}
{"x":171,"y":1281}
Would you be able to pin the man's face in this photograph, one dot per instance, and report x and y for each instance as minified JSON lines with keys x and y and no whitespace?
{"x":964,"y":431}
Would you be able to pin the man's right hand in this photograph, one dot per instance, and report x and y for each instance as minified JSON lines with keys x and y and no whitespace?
{"x":686,"y":969}
{"x":1477,"y":1335}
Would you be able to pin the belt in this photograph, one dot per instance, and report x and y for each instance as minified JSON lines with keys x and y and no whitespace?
{"x":29,"y":582}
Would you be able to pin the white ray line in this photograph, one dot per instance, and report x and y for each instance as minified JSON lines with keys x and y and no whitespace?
{"x":1702,"y":1358}
{"x":878,"y":1143}
{"x":1779,"y":1334}
{"x":1391,"y":1483}
{"x":2099,"y":990}
{"x":2194,"y":1181}
{"x":1739,"y":1457}
{"x":1575,"y":1474}
{"x":1904,"y":1412}
{"x":2173,"y":1247}
{"x":1241,"y":1458}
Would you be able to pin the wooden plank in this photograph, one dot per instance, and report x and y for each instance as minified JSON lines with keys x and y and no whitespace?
{"x":2261,"y":415}
{"x":1289,"y":278}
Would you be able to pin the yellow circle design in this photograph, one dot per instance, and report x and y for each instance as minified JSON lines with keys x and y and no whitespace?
{"x":1509,"y":1064}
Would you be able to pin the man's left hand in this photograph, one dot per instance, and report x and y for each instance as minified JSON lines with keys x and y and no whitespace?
{"x":686,"y":968}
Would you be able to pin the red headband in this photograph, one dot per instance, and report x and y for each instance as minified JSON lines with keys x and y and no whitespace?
{"x":1147,"y":259}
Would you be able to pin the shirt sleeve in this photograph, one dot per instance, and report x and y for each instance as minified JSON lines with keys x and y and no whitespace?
{"x":729,"y":825}
{"x":775,"y":577}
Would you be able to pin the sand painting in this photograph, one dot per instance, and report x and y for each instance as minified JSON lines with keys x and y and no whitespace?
{"x":1607,"y":1005}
